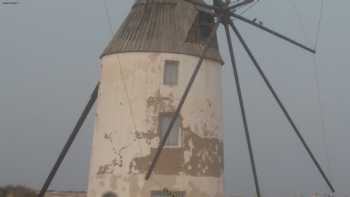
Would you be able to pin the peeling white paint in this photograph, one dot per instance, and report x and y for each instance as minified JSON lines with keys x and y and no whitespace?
{"x":127,"y":127}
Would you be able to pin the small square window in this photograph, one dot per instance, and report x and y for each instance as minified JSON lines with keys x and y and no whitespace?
{"x":171,"y":69}
{"x":174,"y":137}
{"x":167,"y":194}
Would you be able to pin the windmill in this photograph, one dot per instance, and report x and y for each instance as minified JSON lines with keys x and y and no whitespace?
{"x":158,"y":124}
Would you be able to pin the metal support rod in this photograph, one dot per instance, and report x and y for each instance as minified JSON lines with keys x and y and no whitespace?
{"x":241,"y":18}
{"x":243,"y":112}
{"x":284,"y":110}
{"x":241,"y":4}
{"x":182,"y":101}
{"x":69,"y":142}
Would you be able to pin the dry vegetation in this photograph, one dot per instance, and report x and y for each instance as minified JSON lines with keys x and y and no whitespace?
{"x":16,"y":191}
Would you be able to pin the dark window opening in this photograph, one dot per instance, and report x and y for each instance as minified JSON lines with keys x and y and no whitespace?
{"x":205,"y":25}
{"x":109,"y":194}
{"x":201,"y":29}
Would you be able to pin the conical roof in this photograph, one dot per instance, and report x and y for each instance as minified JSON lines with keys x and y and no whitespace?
{"x":171,"y":26}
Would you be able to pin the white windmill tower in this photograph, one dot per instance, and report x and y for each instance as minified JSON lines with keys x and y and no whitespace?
{"x":159,"y":111}
{"x":145,"y":70}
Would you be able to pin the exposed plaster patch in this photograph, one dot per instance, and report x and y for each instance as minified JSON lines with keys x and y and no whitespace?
{"x":104,"y":169}
{"x":159,"y":103}
{"x":206,"y":157}
{"x":148,"y":136}
{"x":199,"y":157}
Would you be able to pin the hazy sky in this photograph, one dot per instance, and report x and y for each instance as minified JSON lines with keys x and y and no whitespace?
{"x":49,"y":64}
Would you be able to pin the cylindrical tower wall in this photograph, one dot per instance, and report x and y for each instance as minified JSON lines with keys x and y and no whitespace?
{"x":138,"y":93}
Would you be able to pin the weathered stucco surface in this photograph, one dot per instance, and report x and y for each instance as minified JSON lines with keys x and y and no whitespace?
{"x":131,"y":96}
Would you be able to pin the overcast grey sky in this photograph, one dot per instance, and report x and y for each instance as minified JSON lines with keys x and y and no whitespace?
{"x":49,"y":64}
